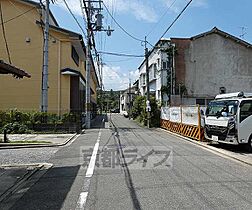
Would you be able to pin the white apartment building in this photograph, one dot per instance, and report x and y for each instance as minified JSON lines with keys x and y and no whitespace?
{"x":159,"y":67}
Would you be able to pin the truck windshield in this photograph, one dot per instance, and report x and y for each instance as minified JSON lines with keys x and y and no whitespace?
{"x":215,"y":108}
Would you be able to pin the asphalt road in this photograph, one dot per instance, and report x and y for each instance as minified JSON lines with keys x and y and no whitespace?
{"x":190,"y":178}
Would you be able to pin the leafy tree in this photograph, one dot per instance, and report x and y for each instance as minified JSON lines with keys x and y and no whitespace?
{"x":139,"y":111}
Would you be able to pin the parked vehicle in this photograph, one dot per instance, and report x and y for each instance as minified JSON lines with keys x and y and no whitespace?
{"x":125,"y":114}
{"x":228,"y":119}
{"x":115,"y":110}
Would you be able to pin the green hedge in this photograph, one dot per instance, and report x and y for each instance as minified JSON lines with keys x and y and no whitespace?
{"x":15,"y":121}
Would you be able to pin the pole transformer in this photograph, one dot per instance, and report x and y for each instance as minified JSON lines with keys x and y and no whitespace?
{"x":44,"y":94}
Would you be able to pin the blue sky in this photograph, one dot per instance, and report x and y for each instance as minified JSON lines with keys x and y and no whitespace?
{"x":142,"y":17}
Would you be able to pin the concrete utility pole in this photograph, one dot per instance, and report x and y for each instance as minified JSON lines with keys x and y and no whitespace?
{"x":88,"y":65}
{"x":92,"y":10}
{"x":129,"y":99}
{"x":148,"y":109}
{"x":173,"y":70}
{"x":44,"y":94}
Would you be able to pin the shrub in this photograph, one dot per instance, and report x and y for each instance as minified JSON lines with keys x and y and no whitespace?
{"x":16,"y":127}
{"x":139,"y":111}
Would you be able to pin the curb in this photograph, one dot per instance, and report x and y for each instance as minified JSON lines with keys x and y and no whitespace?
{"x":209,"y":148}
{"x":23,"y":146}
{"x":21,"y":182}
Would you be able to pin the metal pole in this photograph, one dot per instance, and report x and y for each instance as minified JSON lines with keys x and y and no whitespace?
{"x":129,"y":98}
{"x":88,"y":66}
{"x":101,"y":92}
{"x":147,"y":81}
{"x":44,"y":97}
{"x":5,"y":136}
{"x":173,"y":70}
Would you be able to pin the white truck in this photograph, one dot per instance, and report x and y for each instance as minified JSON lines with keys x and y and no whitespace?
{"x":228,"y":119}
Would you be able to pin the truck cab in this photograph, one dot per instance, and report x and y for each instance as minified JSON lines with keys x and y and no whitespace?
{"x":228,"y":119}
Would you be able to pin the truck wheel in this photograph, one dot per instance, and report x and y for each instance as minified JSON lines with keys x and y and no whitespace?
{"x":249,"y":145}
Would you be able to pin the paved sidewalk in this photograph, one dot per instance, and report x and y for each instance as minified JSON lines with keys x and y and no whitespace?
{"x":52,"y":138}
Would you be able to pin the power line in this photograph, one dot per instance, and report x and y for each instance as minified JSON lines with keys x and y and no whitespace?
{"x":4,"y":35}
{"x":176,"y":18}
{"x":152,"y":29}
{"x":124,"y":60}
{"x":83,"y":15}
{"x":75,"y":18}
{"x":121,"y":54}
{"x":133,"y":37}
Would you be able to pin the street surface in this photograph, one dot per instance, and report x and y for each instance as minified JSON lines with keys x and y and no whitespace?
{"x":190,"y":178}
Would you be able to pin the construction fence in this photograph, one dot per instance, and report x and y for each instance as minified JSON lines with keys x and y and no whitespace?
{"x":183,"y":120}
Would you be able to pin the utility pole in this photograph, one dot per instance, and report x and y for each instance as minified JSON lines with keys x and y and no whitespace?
{"x":91,"y":27}
{"x":44,"y":94}
{"x":173,"y":70}
{"x":88,"y":65}
{"x":101,"y":81}
{"x":148,"y":108}
{"x":129,"y":98}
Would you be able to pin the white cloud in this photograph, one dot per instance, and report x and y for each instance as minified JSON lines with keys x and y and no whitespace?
{"x":179,"y":5}
{"x":141,"y":9}
{"x":114,"y":78}
{"x":73,"y":4}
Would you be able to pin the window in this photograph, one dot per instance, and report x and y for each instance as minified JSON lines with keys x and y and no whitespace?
{"x":75,"y":56}
{"x":143,"y":79}
{"x":155,"y":70}
{"x":164,"y":65}
{"x":200,"y":101}
{"x":245,"y":110}
{"x":208,"y":100}
{"x":158,"y":62}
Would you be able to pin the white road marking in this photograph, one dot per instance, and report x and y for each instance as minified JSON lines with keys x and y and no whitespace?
{"x":89,"y":173}
{"x":82,"y":200}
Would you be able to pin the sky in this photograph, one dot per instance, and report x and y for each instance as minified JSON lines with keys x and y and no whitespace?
{"x":151,"y":18}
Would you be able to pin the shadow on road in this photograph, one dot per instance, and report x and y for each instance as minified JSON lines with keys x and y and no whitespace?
{"x":98,"y":122}
{"x":241,"y":149}
{"x":128,"y":178}
{"x":51,"y":190}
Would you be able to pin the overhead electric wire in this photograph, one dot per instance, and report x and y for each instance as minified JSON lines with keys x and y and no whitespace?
{"x":133,"y":37}
{"x":83,"y":15}
{"x":82,"y":30}
{"x":115,"y":61}
{"x":121,"y":54}
{"x":152,"y":29}
{"x":4,"y":34}
{"x":176,"y":19}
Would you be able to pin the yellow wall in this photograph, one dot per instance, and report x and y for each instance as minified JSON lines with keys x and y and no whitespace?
{"x":25,"y":94}
{"x":21,"y":93}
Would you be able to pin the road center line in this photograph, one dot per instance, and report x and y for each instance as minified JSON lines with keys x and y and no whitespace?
{"x":82,"y":200}
{"x":89,"y":173}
